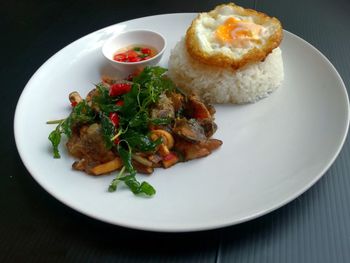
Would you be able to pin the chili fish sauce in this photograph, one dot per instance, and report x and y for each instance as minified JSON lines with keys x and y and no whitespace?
{"x":135,"y":53}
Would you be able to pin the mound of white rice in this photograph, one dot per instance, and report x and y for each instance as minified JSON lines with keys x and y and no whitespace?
{"x":220,"y":85}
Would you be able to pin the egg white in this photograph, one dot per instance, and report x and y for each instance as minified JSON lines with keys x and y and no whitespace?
{"x":204,"y":42}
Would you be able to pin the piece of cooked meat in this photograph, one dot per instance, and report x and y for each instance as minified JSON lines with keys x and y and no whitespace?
{"x":195,"y":108}
{"x":191,"y":151}
{"x":189,"y":130}
{"x":163,"y":109}
{"x":177,"y":101}
{"x":88,"y":144}
{"x":209,"y":127}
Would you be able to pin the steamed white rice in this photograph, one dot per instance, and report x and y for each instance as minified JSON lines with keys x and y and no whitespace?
{"x":218,"y":85}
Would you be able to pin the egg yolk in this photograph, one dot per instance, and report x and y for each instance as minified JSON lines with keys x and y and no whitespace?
{"x":233,"y":29}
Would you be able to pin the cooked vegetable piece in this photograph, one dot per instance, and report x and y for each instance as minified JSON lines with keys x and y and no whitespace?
{"x":80,"y":165}
{"x":75,"y":98}
{"x":163,"y":150}
{"x":170,"y":159}
{"x":167,"y":138}
{"x":108,"y":167}
{"x":140,"y":168}
{"x":141,"y":160}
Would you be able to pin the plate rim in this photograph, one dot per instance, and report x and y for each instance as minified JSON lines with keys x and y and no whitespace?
{"x":179,"y":229}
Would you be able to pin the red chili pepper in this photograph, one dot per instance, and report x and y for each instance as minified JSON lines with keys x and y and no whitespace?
{"x":131,"y":54}
{"x":120,"y":57}
{"x":119,"y":103}
{"x":74,"y":103}
{"x":147,"y":51}
{"x":119,"y":89}
{"x":116,"y":140}
{"x":134,"y":59}
{"x":169,"y":156}
{"x":113,"y":116}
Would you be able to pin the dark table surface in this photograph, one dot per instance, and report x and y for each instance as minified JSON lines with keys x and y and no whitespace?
{"x":35,"y":227}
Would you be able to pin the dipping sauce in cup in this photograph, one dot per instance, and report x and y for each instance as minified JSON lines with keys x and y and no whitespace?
{"x":134,"y":50}
{"x":134,"y":53}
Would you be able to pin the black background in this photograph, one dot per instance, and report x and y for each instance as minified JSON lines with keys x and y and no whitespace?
{"x":35,"y":227}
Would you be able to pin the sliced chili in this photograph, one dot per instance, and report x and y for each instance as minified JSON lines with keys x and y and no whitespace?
{"x":119,"y":89}
{"x":113,"y":116}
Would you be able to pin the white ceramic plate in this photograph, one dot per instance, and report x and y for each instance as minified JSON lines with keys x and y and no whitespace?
{"x":273,"y":150}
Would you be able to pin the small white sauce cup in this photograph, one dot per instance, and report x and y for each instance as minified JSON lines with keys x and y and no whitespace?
{"x":138,"y":37}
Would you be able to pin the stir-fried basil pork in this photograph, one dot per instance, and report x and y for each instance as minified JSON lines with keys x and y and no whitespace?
{"x":136,"y":125}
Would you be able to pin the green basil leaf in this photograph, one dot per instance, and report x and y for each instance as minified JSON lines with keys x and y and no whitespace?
{"x":103,"y":101}
{"x":139,"y":121}
{"x":67,"y":126}
{"x":55,"y":138}
{"x":125,"y":155}
{"x":160,"y":121}
{"x":148,"y":74}
{"x":131,"y":105}
{"x":115,"y":182}
{"x":133,"y":184}
{"x":138,"y":188}
{"x":147,"y":189}
{"x":113,"y":186}
{"x":108,"y":130}
{"x":82,"y":113}
{"x":108,"y":108}
{"x":139,"y":141}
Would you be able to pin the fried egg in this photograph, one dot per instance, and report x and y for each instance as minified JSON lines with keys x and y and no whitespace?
{"x":232,"y":36}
